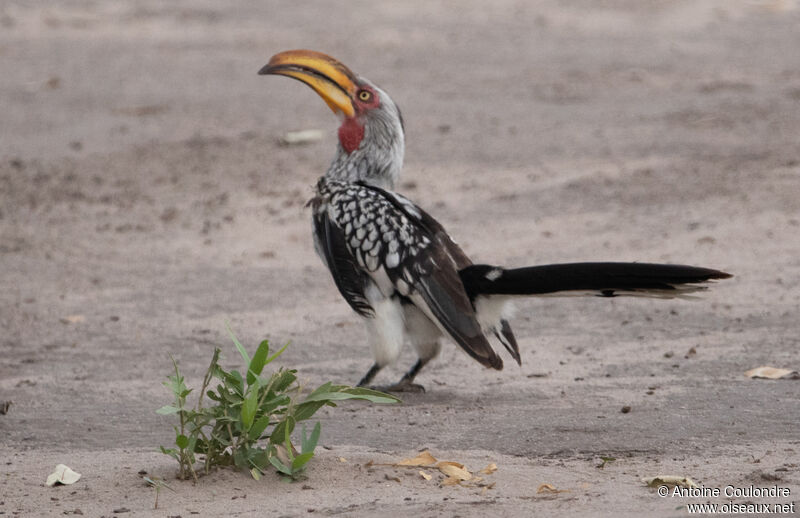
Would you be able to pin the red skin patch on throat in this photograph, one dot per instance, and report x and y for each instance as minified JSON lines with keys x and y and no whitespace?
{"x":351,"y":132}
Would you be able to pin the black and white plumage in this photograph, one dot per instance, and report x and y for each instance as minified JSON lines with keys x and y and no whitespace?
{"x":397,"y":267}
{"x":391,"y":260}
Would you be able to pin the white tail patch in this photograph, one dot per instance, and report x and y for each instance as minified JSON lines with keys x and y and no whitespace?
{"x":387,"y":329}
{"x":491,"y":309}
{"x":494,"y":274}
{"x":422,"y":333}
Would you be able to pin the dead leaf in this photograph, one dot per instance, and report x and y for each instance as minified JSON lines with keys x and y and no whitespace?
{"x":449,"y":463}
{"x":772,"y":373}
{"x":450,"y":481}
{"x":423,"y":459}
{"x":550,"y":488}
{"x":62,"y":475}
{"x":546,"y":488}
{"x":454,"y":470}
{"x":669,"y":480}
{"x":73,"y":319}
{"x":342,"y":459}
{"x":424,"y":475}
{"x":488,"y":470}
{"x":282,"y":453}
{"x":486,"y":487}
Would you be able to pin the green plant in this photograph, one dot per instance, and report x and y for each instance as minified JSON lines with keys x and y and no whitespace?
{"x":156,"y":483}
{"x":250,"y":418}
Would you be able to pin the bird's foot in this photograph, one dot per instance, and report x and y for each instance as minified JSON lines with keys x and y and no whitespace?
{"x":401,"y":386}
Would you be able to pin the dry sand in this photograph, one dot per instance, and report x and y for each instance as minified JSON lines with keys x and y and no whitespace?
{"x":142,"y":187}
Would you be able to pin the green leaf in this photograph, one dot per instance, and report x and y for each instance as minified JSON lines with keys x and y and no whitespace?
{"x":369,"y":394}
{"x":258,"y":427}
{"x":307,"y":409}
{"x":240,"y":458}
{"x":225,"y":393}
{"x":299,"y":462}
{"x":167,"y":410}
{"x":352,"y":393}
{"x":238,"y":344}
{"x":175,"y":381}
{"x":181,"y":441}
{"x":222,"y":438}
{"x":260,"y":459}
{"x":192,"y":445}
{"x":175,"y":385}
{"x":279,"y":465}
{"x":269,"y":360}
{"x":283,"y":380}
{"x":308,"y":444}
{"x":249,"y":409}
{"x":255,"y":473}
{"x":236,"y":380}
{"x":217,"y":371}
{"x":325,"y":387}
{"x":285,"y":427}
{"x":258,"y":362}
{"x":269,"y":406}
{"x":172,"y":452}
{"x":287,"y":439}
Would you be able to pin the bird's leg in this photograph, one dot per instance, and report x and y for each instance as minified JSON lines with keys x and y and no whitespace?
{"x":406,"y":383}
{"x":369,"y":375}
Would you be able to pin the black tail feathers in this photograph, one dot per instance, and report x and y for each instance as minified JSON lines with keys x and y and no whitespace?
{"x":601,"y":279}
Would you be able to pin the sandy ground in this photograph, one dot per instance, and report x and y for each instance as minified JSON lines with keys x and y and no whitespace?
{"x":142,"y":188}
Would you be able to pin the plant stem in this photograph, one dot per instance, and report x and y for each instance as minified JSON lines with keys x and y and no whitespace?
{"x":208,"y":377}
{"x":234,"y":442}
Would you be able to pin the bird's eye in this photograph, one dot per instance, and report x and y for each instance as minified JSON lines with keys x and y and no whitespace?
{"x":365,"y":95}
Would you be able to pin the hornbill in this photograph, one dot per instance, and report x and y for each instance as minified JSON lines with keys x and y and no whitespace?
{"x":396,"y":265}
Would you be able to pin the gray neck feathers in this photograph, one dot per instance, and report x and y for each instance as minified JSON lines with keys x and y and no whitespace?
{"x":379,"y":158}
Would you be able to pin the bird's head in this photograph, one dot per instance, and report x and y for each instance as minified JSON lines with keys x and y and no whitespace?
{"x":371,"y":139}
